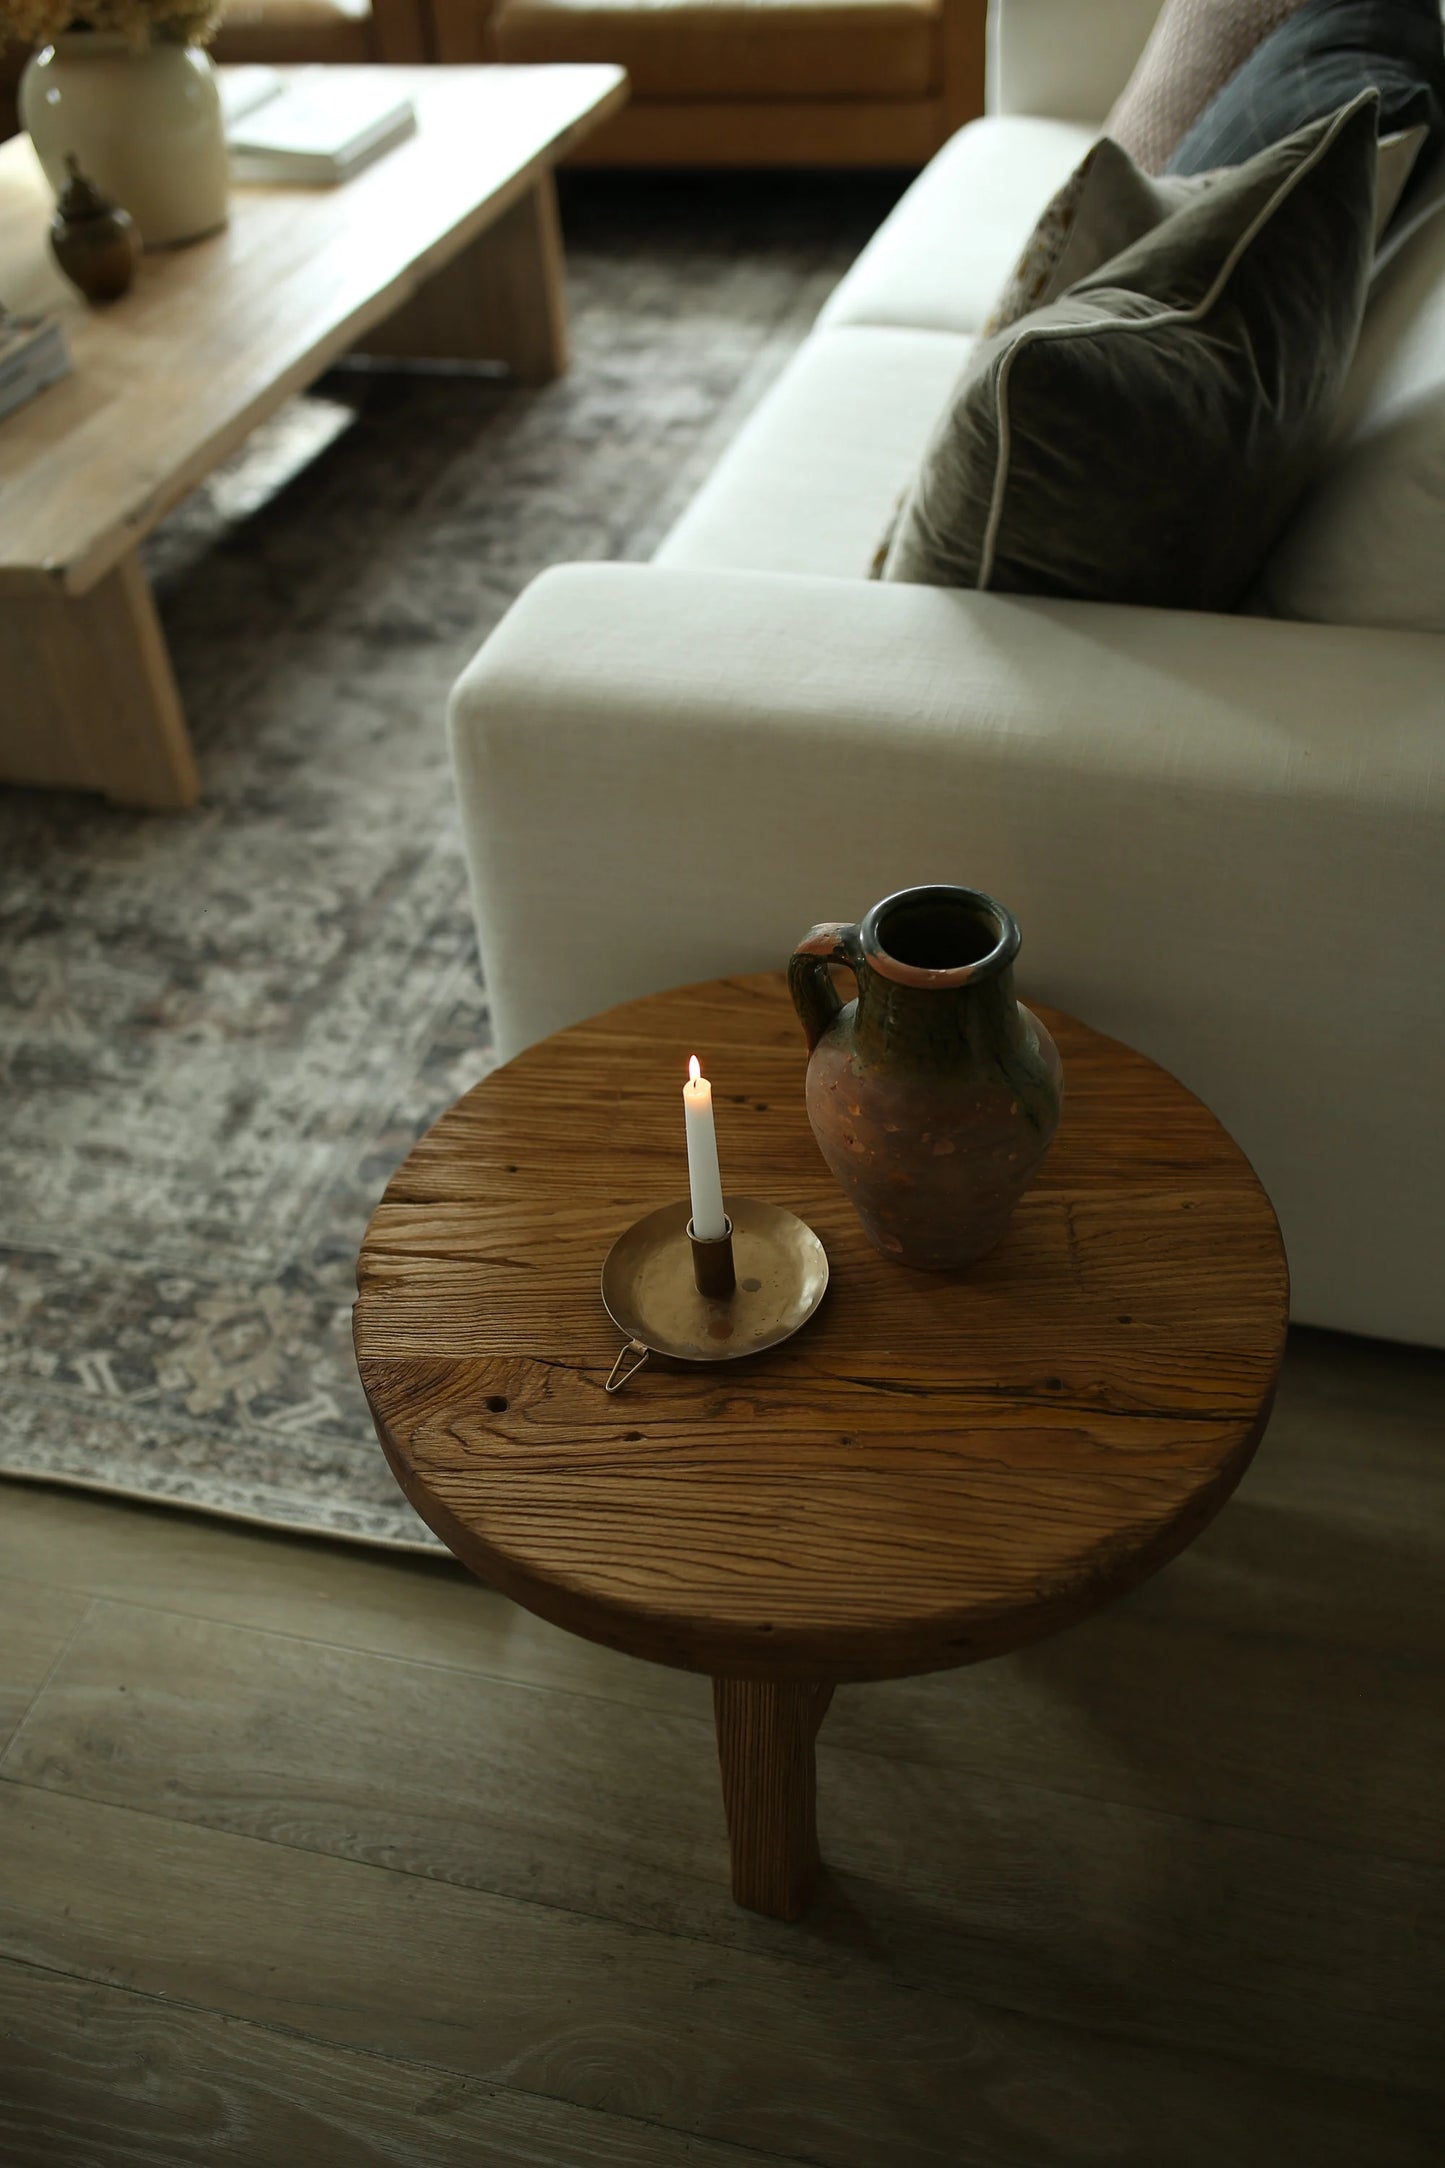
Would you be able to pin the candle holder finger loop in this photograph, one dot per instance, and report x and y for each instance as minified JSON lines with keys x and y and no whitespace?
{"x":713,"y":1271}
{"x":710,"y":1302}
{"x":617,"y":1377}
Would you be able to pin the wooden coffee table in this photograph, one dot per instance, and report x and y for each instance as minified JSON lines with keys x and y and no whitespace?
{"x":935,"y":1470}
{"x":446,"y":248}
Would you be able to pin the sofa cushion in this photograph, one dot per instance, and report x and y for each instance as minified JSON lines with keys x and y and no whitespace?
{"x":1324,"y":55}
{"x":1109,"y":202}
{"x":1145,"y":438}
{"x":1193,"y":50}
{"x":939,"y":259}
{"x":737,"y":48}
{"x":1367,"y":543}
{"x":809,"y":483}
{"x":1106,"y":204}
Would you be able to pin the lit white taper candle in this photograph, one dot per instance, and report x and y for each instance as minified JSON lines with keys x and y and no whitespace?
{"x":709,"y":1221}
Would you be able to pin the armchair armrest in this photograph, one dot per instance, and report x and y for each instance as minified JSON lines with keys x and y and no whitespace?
{"x":401,"y":30}
{"x":1221,"y":836}
{"x":1063,"y":58}
{"x":461,"y":30}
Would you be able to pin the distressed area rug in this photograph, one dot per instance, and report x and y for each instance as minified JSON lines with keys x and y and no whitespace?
{"x":220,"y":1033}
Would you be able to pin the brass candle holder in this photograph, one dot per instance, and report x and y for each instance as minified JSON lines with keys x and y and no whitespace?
{"x":711,"y":1301}
{"x":713,"y":1271}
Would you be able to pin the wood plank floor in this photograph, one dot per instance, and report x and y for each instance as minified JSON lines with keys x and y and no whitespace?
{"x":312,"y":1856}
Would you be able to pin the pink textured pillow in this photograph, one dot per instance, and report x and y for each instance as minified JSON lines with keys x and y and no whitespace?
{"x":1193,"y":50}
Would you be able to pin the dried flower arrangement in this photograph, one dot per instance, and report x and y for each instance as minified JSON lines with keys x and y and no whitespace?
{"x":38,"y":22}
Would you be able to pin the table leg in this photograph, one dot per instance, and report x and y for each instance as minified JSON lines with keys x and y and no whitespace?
{"x":765,"y":1735}
{"x":89,"y":701}
{"x":501,"y":299}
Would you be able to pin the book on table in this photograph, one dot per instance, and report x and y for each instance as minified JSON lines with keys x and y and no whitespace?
{"x":315,"y":129}
{"x":33,"y":353}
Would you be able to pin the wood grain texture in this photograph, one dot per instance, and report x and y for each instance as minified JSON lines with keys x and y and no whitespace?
{"x":200,"y":1567}
{"x":765,"y":1737}
{"x":1282,"y":1951}
{"x":35,"y":1626}
{"x":1230,"y":1975}
{"x":90,"y":697}
{"x":935,"y":1470}
{"x":841,"y":2069}
{"x":502,"y":299}
{"x":1313,"y":1611}
{"x":1335,"y":1556}
{"x":214,"y":337}
{"x":94,"y":2077}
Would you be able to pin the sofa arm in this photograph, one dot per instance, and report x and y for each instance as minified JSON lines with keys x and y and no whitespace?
{"x":1065,"y":59}
{"x":1222,"y":837}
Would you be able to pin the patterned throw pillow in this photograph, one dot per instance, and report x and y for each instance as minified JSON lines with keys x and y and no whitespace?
{"x":1104,"y":206}
{"x":1193,"y":50}
{"x":1144,"y":438}
{"x":1037,"y":268}
{"x":1107,"y":204}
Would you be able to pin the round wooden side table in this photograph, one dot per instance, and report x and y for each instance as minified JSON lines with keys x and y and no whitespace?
{"x":935,"y":1470}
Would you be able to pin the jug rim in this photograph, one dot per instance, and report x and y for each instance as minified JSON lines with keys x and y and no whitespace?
{"x":978,"y":905}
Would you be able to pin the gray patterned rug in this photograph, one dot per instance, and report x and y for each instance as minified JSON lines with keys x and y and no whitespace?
{"x":219,"y":1033}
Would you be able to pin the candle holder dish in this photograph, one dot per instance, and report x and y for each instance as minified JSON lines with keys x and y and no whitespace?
{"x":655,"y":1274}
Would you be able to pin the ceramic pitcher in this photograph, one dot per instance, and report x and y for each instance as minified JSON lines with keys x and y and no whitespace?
{"x":935,"y":1094}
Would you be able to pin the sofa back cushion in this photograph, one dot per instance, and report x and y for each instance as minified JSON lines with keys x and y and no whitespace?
{"x":1144,"y":438}
{"x":1366,"y":545}
{"x":1194,"y":49}
{"x":1323,"y":55}
{"x":1108,"y":203}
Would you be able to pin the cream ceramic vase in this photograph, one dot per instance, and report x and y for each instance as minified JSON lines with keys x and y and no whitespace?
{"x":144,"y":126}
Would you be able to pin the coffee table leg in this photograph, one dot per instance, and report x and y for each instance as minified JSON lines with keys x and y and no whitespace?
{"x":503,"y":298}
{"x":89,"y":701}
{"x":765,"y":1735}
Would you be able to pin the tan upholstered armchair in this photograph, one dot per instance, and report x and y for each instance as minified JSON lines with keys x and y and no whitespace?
{"x":279,"y":31}
{"x":751,"y":82}
{"x":714,"y":82}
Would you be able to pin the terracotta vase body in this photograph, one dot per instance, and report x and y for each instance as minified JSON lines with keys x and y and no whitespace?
{"x":145,"y":126}
{"x":935,"y":1094}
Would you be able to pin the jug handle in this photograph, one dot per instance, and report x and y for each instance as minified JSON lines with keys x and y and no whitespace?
{"x":815,"y":997}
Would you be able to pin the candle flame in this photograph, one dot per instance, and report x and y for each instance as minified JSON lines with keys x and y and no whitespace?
{"x":694,"y":1069}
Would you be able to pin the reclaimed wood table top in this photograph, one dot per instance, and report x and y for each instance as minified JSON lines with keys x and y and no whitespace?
{"x":936,"y":1469}
{"x":212,"y":337}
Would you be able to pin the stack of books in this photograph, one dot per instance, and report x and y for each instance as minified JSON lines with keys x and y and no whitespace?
{"x":33,"y":353}
{"x":316,"y":127}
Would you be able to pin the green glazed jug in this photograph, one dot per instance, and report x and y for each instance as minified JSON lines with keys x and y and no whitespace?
{"x":935,"y":1094}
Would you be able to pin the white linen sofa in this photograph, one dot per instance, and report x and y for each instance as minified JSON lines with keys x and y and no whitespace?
{"x":1224,"y":837}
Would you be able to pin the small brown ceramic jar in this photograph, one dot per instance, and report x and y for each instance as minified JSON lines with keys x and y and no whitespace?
{"x":94,"y":241}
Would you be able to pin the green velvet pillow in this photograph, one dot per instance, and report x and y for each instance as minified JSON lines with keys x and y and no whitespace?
{"x":1144,"y":438}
